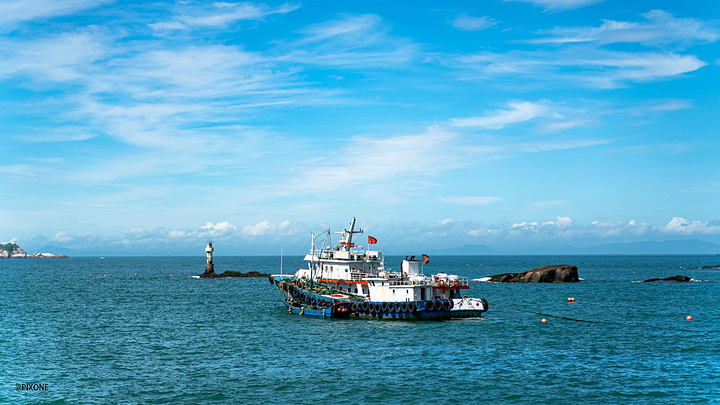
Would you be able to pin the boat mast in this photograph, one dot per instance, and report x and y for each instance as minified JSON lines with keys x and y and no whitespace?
{"x":312,"y":263}
{"x":348,"y":238}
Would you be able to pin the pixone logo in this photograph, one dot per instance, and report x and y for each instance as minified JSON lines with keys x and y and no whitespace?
{"x":31,"y":387}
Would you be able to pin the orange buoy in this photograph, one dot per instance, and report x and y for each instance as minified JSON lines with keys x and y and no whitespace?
{"x":91,"y":275}
{"x":171,"y":275}
{"x":104,"y":275}
{"x":689,"y":318}
{"x":544,"y":320}
{"x":571,"y":299}
{"x":136,"y":274}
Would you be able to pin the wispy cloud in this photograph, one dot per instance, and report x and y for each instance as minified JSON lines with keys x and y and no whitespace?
{"x":661,"y":28}
{"x":596,"y":68}
{"x":67,"y":57}
{"x":13,"y":12}
{"x":464,"y":22}
{"x":518,"y":111}
{"x":219,"y":14}
{"x":581,"y":56}
{"x":401,"y":161}
{"x":560,"y":5}
{"x":351,"y":41}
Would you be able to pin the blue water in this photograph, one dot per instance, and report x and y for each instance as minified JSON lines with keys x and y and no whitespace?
{"x":155,"y":339}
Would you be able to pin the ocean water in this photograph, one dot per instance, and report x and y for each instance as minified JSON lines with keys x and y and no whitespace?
{"x":153,"y":338}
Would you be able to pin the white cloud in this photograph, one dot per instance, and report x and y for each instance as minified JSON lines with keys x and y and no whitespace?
{"x":682,"y":226}
{"x":267,"y":228}
{"x":464,"y":22}
{"x":561,"y":224}
{"x":471,"y":201}
{"x":220,"y":229}
{"x":578,"y":65}
{"x":219,"y":15}
{"x":517,"y":111}
{"x":16,"y":11}
{"x":525,"y":226}
{"x":396,"y":161}
{"x":351,"y":41}
{"x":66,"y":57}
{"x":563,"y":125}
{"x":560,"y":5}
{"x":662,"y":28}
{"x":62,"y":237}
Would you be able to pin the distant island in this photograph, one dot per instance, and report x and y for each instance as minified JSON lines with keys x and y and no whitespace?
{"x":13,"y":251}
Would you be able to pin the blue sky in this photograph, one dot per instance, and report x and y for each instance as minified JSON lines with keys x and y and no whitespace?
{"x":134,"y":127}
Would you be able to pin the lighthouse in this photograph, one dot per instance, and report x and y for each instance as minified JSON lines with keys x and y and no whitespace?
{"x":209,"y":267}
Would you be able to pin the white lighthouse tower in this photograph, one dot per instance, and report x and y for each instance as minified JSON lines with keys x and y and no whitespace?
{"x":209,"y":267}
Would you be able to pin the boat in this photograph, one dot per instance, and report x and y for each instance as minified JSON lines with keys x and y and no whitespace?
{"x":349,"y":281}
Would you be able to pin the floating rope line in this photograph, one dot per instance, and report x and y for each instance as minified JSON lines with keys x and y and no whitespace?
{"x":602,"y":322}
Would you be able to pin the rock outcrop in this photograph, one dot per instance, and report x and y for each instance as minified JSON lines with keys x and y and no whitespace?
{"x":681,"y":279}
{"x":13,"y":251}
{"x":231,"y":273}
{"x":562,"y":273}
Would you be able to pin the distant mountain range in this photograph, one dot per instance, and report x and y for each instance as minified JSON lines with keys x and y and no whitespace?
{"x":670,"y":247}
{"x":678,"y":247}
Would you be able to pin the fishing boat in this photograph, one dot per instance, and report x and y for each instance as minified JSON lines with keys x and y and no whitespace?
{"x":348,"y":281}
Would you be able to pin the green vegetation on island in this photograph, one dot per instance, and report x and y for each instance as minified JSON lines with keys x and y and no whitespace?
{"x":9,"y":247}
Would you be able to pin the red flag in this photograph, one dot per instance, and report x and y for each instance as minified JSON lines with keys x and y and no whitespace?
{"x":371,"y":240}
{"x":426,"y":259}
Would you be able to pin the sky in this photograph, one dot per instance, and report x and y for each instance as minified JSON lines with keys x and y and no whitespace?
{"x":153,"y":127}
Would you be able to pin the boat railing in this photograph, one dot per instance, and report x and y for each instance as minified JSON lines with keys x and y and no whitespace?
{"x":459,"y":282}
{"x":410,"y":281}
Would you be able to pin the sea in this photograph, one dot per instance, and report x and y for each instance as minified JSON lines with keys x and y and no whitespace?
{"x":142,"y":330}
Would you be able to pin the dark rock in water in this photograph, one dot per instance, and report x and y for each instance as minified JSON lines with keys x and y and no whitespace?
{"x":562,"y":273}
{"x":682,"y":279}
{"x":231,"y":273}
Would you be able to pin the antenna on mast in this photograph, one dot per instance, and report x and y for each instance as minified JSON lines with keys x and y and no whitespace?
{"x":347,"y":243}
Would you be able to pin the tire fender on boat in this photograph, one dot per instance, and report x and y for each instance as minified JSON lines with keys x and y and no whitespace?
{"x":429,"y":306}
